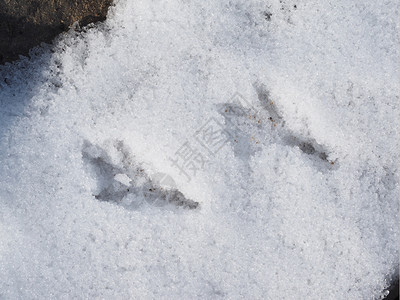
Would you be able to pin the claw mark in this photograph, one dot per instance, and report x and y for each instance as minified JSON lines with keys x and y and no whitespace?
{"x":250,"y":130}
{"x":264,"y":97}
{"x":123,"y":181}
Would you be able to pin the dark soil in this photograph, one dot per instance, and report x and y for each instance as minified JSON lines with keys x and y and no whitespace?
{"x":25,"y":24}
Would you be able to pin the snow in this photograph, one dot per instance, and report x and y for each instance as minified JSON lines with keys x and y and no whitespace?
{"x":294,"y":197}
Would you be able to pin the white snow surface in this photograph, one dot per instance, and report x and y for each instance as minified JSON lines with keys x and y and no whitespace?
{"x":301,"y":202}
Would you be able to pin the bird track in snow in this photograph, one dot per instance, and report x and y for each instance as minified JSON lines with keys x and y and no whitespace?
{"x":123,"y":181}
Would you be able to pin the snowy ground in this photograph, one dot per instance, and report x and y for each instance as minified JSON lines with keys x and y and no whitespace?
{"x":205,"y":149}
